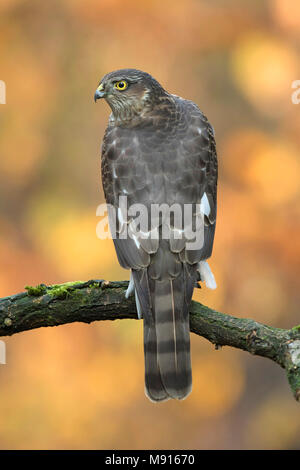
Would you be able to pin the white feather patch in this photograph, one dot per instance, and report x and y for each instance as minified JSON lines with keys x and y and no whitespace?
{"x":136,"y":241}
{"x":204,"y":205}
{"x":120,"y":216}
{"x":207,"y":275}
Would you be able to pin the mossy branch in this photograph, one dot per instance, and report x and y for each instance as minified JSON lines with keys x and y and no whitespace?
{"x":103,"y":300}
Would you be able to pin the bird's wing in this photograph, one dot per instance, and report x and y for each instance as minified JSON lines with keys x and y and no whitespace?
{"x":127,"y":178}
{"x":135,"y":168}
{"x":198,"y":152}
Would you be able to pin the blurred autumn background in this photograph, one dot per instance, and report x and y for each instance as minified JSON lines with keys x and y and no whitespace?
{"x":82,"y":386}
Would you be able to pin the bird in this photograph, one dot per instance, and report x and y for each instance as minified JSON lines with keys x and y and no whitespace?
{"x":159,"y":149}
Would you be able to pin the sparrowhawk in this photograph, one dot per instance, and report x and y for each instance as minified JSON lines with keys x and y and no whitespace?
{"x":159,"y":149}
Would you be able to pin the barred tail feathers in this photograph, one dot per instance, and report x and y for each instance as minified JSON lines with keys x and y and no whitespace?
{"x":166,"y":336}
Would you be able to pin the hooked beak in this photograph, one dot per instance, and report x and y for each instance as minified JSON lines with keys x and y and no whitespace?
{"x":99,"y":93}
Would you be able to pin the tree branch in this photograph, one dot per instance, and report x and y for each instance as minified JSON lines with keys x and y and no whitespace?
{"x":103,"y":300}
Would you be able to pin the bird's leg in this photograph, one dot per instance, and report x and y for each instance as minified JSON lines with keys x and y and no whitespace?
{"x":130,"y":289}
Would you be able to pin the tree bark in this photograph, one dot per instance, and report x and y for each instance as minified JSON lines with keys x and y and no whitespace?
{"x":97,"y":300}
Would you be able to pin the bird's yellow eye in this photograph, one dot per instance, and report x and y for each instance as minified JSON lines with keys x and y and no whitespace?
{"x":122,"y":85}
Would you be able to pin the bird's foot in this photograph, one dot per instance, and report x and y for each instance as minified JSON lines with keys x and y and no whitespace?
{"x":130,"y":289}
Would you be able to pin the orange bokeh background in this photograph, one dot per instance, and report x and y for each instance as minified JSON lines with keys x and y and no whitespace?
{"x":82,"y":386}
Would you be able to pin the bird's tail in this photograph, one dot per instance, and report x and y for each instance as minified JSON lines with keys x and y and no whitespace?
{"x":167,"y":338}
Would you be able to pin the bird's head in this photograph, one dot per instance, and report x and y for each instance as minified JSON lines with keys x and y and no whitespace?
{"x":129,"y":92}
